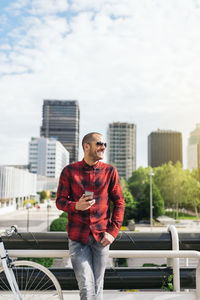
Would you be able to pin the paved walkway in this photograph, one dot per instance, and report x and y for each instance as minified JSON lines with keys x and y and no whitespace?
{"x":181,"y":226}
{"x":137,"y":295}
{"x":38,"y":219}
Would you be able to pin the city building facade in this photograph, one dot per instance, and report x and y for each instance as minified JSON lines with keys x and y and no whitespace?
{"x":164,"y":146}
{"x":193,"y":149}
{"x":61,"y":121}
{"x":46,"y":183}
{"x":16,"y":186}
{"x":122,"y":148}
{"x":47,"y":157}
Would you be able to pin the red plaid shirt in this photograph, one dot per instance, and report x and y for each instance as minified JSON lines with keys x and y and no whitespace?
{"x":103,"y":180}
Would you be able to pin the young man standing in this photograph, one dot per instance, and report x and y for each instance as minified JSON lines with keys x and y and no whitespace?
{"x":86,"y":190}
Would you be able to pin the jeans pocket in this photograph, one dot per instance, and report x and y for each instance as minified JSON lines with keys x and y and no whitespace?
{"x":74,"y":248}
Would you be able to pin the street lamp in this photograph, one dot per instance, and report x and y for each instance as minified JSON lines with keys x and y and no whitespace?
{"x":48,"y":207}
{"x":151,"y":202}
{"x":28,"y":206}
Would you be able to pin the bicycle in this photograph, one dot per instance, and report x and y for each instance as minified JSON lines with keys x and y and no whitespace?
{"x":21,"y":279}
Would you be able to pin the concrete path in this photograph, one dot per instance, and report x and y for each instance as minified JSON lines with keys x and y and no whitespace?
{"x":40,"y":218}
{"x":37,"y":219}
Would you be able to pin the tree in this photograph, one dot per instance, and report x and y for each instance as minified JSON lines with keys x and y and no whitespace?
{"x":192,"y":193}
{"x":43,"y":196}
{"x":165,"y":180}
{"x":176,"y":186}
{"x":53,"y":194}
{"x":143,"y":206}
{"x":136,"y":182}
{"x":130,"y":203}
{"x":139,"y":186}
{"x":170,"y":180}
{"x":195,"y":174}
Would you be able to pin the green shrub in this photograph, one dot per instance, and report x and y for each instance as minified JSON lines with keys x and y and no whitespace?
{"x":63,"y":215}
{"x":167,"y":283}
{"x":121,"y":262}
{"x":150,"y":265}
{"x":58,"y":224}
{"x":44,"y":261}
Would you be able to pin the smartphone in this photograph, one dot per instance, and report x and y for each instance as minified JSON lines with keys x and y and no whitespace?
{"x":88,"y":193}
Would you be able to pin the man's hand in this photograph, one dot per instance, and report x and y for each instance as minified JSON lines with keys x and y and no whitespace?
{"x":84,"y":203}
{"x":107,"y":239}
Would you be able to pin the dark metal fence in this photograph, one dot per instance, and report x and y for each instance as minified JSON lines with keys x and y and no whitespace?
{"x":117,"y":278}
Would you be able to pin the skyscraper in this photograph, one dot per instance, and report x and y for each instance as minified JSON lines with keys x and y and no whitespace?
{"x":122,"y":148}
{"x":193,"y":149}
{"x":164,"y":146}
{"x":61,"y":121}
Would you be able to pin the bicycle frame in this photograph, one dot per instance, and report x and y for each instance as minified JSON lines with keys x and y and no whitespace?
{"x":13,"y":281}
{"x":7,"y":266}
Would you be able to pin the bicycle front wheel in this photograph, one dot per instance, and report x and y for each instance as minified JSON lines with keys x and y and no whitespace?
{"x":34,"y":281}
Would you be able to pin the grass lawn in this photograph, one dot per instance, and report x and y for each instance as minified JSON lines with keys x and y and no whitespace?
{"x":181,"y":215}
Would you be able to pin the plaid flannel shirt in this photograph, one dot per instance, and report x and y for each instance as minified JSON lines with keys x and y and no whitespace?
{"x":103,"y":180}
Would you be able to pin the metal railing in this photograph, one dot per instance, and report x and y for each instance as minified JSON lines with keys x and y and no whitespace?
{"x":173,"y":255}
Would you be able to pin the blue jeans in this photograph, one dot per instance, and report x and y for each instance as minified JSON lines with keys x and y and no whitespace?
{"x":89,"y":263}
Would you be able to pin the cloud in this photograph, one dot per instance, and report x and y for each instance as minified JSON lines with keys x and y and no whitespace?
{"x":122,"y":60}
{"x":38,"y":7}
{"x":42,"y":7}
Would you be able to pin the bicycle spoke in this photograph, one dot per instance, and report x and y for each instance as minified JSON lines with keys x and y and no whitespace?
{"x":34,"y":281}
{"x":4,"y":285}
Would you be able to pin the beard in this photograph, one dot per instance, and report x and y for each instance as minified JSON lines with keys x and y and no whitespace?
{"x":94,"y":155}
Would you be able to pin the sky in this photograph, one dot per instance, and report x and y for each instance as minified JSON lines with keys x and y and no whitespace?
{"x":134,"y":61}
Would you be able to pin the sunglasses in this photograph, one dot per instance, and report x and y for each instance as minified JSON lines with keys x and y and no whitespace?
{"x":101,"y":144}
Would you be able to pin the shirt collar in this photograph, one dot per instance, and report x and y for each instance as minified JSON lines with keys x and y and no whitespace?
{"x":88,"y":167}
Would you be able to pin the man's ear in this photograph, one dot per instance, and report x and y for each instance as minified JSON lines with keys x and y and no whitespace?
{"x":86,"y":147}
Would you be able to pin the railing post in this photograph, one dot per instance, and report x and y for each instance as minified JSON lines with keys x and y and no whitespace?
{"x":175,"y":261}
{"x":169,"y":262}
{"x":198,"y":281}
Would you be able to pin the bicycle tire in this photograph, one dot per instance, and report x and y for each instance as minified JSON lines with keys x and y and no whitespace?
{"x":34,"y":281}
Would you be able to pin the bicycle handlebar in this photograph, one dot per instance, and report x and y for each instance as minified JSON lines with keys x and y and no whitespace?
{"x":9,"y":232}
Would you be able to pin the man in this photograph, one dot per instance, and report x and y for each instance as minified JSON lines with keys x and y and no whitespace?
{"x":90,"y":229}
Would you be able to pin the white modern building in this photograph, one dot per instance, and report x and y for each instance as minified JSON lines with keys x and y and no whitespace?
{"x":193,"y":148}
{"x":47,"y":157}
{"x":47,"y":183}
{"x":16,"y":186}
{"x":122,"y":148}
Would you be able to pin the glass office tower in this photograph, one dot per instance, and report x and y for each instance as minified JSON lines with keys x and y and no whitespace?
{"x":164,"y":146}
{"x":61,"y":121}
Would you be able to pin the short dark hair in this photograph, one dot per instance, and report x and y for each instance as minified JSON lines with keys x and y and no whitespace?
{"x":89,"y":138}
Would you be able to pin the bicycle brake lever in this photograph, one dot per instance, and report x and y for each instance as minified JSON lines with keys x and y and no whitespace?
{"x":14,"y":228}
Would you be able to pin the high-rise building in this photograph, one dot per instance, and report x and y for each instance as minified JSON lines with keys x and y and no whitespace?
{"x":47,"y":157}
{"x":193,"y":149}
{"x":61,"y":121}
{"x":122,"y":148}
{"x":164,"y":146}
